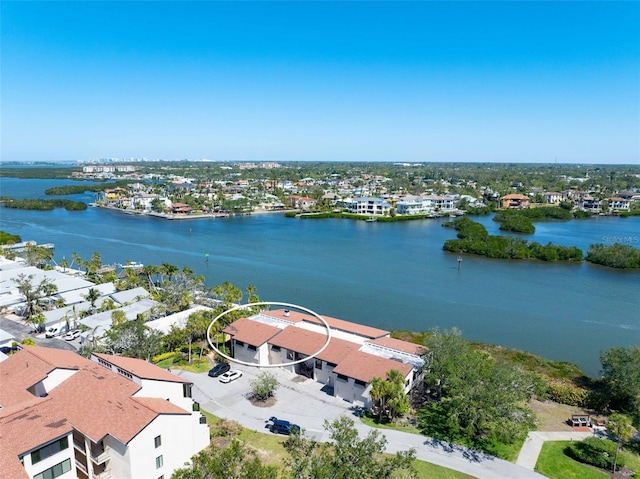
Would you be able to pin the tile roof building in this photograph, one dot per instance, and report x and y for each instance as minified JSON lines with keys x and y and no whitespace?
{"x":62,"y":415}
{"x":345,"y":361}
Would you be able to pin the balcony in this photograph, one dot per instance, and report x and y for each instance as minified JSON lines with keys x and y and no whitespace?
{"x":99,"y":455}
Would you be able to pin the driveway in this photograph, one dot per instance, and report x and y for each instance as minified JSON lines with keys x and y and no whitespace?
{"x":16,"y":327}
{"x":302,"y":402}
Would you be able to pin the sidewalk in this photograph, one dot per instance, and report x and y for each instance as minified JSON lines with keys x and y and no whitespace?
{"x":304,"y":403}
{"x":535,"y":439}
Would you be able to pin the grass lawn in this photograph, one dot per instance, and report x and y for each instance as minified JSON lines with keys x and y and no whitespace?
{"x":196,"y":366}
{"x":554,"y":464}
{"x":270,"y":451}
{"x":385,"y":424}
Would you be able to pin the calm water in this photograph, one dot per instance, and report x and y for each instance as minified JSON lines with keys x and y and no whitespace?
{"x":393,"y":276}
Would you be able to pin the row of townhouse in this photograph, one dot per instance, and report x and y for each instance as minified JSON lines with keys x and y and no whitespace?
{"x":65,"y":416}
{"x":354,"y":355}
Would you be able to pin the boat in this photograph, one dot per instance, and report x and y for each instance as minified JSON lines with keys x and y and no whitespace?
{"x":371,"y":220}
{"x":132,"y":265}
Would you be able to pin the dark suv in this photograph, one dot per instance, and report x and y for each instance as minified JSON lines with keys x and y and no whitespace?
{"x":219,"y":369}
{"x":278,"y":426}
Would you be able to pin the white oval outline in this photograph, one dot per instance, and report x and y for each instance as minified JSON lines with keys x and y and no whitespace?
{"x":269,"y":303}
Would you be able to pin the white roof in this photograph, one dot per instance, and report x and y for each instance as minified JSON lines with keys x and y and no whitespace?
{"x":61,"y":280}
{"x":131,"y":311}
{"x":129,"y":295}
{"x":5,"y":336}
{"x":78,"y":295}
{"x":178,"y":319}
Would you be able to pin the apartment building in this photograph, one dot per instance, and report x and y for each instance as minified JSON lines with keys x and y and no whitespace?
{"x":345,"y":363}
{"x":64,"y":416}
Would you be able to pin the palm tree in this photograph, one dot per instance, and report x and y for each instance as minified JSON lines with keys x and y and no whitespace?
{"x":92,"y":296}
{"x":621,"y":428}
{"x":168,"y":270}
{"x":377,"y":393}
{"x":64,"y":264}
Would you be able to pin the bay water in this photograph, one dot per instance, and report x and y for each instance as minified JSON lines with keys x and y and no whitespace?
{"x":389,"y":275}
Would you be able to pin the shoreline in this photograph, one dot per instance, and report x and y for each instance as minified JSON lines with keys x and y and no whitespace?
{"x":178,"y":216}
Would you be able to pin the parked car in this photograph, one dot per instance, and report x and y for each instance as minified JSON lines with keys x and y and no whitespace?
{"x":71,"y":335}
{"x":52,"y":332}
{"x":9,"y":349}
{"x":230,"y":375}
{"x":219,"y":369}
{"x":279,"y":426}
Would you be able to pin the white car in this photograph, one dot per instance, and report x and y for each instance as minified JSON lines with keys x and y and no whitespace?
{"x":52,"y":332}
{"x":230,"y":376}
{"x":71,"y":335}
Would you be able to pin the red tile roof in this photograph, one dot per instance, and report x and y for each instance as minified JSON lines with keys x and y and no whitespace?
{"x":399,"y":345}
{"x":93,"y":400}
{"x":339,"y":324}
{"x":309,"y":342}
{"x":142,"y":369}
{"x":251,"y":332}
{"x":364,"y":366}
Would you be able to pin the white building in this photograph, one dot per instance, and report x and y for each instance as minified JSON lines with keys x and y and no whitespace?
{"x":65,"y":416}
{"x":354,"y":355}
{"x":367,"y":206}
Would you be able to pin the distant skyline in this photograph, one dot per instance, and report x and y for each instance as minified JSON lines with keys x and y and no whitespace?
{"x":321,"y":81}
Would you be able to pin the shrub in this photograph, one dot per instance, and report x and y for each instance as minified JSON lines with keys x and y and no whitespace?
{"x":264,"y":386}
{"x":163,"y":356}
{"x":565,"y":392}
{"x":596,"y":452}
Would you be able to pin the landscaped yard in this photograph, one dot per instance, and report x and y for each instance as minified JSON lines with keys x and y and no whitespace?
{"x":554,"y":464}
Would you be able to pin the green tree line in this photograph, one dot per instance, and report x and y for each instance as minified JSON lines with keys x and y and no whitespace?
{"x":42,"y":205}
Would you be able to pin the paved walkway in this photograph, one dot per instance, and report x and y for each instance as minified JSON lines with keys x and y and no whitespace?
{"x":533,"y":444}
{"x":303,"y":403}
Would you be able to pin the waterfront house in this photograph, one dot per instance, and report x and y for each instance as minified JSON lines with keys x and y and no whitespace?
{"x":514,"y":201}
{"x":618,"y":204}
{"x":367,"y":206}
{"x":345,"y":365}
{"x":591,"y":204}
{"x":553,"y":198}
{"x":180,"y":208}
{"x":63,"y":415}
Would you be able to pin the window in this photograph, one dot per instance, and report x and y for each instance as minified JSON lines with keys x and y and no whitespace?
{"x":158,"y":441}
{"x":360,"y":383}
{"x":318,"y":363}
{"x":342,"y":377}
{"x":275,"y":348}
{"x":331,"y":365}
{"x":251,"y":348}
{"x":240,"y":344}
{"x":159,"y":462}
{"x":49,"y":450}
{"x":55,"y":471}
{"x":290,"y":355}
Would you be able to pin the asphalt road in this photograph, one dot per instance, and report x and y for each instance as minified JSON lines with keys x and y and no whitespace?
{"x":21,"y":331}
{"x":303,"y":403}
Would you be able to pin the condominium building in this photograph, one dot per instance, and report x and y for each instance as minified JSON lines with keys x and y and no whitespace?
{"x":64,"y":416}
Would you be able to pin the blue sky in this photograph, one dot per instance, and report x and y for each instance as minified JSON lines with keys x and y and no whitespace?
{"x":337,"y":81}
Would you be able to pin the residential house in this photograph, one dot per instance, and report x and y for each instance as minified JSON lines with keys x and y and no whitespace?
{"x":618,"y":204}
{"x":65,"y":416}
{"x":553,"y":198}
{"x":302,"y":202}
{"x":367,"y":206}
{"x":514,"y":200}
{"x":591,"y":204}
